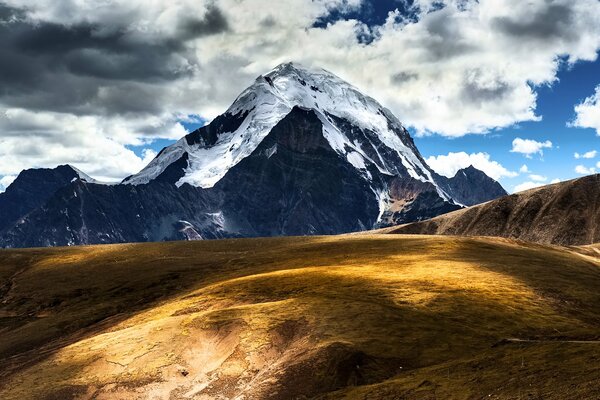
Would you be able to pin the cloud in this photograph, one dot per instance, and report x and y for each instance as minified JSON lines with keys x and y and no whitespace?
{"x":529,"y":147}
{"x":124,"y":72}
{"x":587,"y":113}
{"x":449,"y":164}
{"x":556,"y":180}
{"x":404,"y":76}
{"x":589,"y":154}
{"x":583,"y":170}
{"x":538,"y":178}
{"x":148,"y":155}
{"x":526,"y":186}
{"x":552,"y":21}
{"x":5,"y":181}
{"x":524,"y":169}
{"x":213,"y":22}
{"x":103,"y":156}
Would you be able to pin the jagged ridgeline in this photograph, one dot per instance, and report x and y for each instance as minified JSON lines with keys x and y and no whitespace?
{"x":299,"y":152}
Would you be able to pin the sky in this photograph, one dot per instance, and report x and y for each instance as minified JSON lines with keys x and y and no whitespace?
{"x":510,"y":86}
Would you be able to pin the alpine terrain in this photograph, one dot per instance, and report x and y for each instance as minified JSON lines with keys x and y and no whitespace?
{"x":565,"y":213}
{"x":299,"y":152}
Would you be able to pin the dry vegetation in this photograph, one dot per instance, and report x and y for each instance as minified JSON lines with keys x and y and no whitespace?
{"x":565,"y":213}
{"x":357,"y":317}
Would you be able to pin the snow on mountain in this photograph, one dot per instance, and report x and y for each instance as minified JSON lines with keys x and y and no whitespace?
{"x":300,"y":152}
{"x":338,"y":105}
{"x":85,"y":177}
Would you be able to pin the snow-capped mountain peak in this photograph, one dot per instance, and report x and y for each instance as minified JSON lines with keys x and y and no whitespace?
{"x":300,"y":152}
{"x":355,"y":125}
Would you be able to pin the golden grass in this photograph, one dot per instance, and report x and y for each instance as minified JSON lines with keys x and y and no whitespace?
{"x":374,"y":316}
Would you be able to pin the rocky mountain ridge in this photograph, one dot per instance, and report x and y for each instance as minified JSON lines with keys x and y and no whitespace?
{"x":300,"y":152}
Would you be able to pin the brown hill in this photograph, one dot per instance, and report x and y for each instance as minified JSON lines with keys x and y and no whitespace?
{"x":354,"y":317}
{"x":566,"y":213}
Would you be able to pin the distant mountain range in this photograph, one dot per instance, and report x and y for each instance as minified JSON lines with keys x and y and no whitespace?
{"x":566,"y":213}
{"x":299,"y":152}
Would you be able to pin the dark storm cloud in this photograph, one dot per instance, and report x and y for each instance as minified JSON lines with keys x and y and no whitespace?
{"x":481,"y":94}
{"x":268,"y":22}
{"x":71,"y":68}
{"x":8,"y":14}
{"x":477,"y":90}
{"x":213,"y":22}
{"x":403,"y":77}
{"x":555,"y":20}
{"x":58,"y":39}
{"x":445,"y":39}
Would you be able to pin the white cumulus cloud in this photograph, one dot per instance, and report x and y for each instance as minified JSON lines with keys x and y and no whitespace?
{"x":588,"y":154}
{"x":538,"y":178}
{"x":102,"y":155}
{"x":529,"y":147}
{"x":587,"y":113}
{"x":526,"y":186}
{"x":583,"y":170}
{"x":450,"y":163}
{"x":131,"y":69}
{"x":5,"y":181}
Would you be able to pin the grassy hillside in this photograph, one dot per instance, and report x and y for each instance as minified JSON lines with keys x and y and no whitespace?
{"x":357,"y":317}
{"x":565,"y":213}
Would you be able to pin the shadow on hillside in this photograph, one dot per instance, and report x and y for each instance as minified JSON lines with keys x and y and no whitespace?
{"x":84,"y":291}
{"x":569,"y":283}
{"x":68,"y":294}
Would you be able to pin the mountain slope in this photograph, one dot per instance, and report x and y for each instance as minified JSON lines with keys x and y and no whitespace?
{"x":364,"y":134}
{"x":470,"y":186}
{"x":354,"y":125}
{"x":375,"y":316}
{"x":84,"y":213}
{"x":566,"y":213}
{"x":32,"y":188}
{"x":300,"y":152}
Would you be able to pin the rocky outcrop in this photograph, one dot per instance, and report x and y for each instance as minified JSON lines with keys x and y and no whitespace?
{"x":31,"y":189}
{"x":470,"y":186}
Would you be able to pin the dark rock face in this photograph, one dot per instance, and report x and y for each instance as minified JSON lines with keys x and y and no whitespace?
{"x":471,"y":186}
{"x":87,"y":213}
{"x":295,"y":184}
{"x":210,"y":133}
{"x":174,"y":171}
{"x":414,"y":200}
{"x":30,"y":190}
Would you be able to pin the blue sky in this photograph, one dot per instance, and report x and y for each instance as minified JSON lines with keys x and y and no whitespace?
{"x":555,"y":105}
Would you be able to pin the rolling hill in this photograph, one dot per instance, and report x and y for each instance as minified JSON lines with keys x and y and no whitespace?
{"x":566,"y":213}
{"x":355,"y":317}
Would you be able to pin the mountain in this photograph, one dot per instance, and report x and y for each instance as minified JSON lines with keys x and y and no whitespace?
{"x":566,"y":213}
{"x":299,"y":152}
{"x":33,"y":188}
{"x":462,"y":186}
{"x":339,"y":317}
